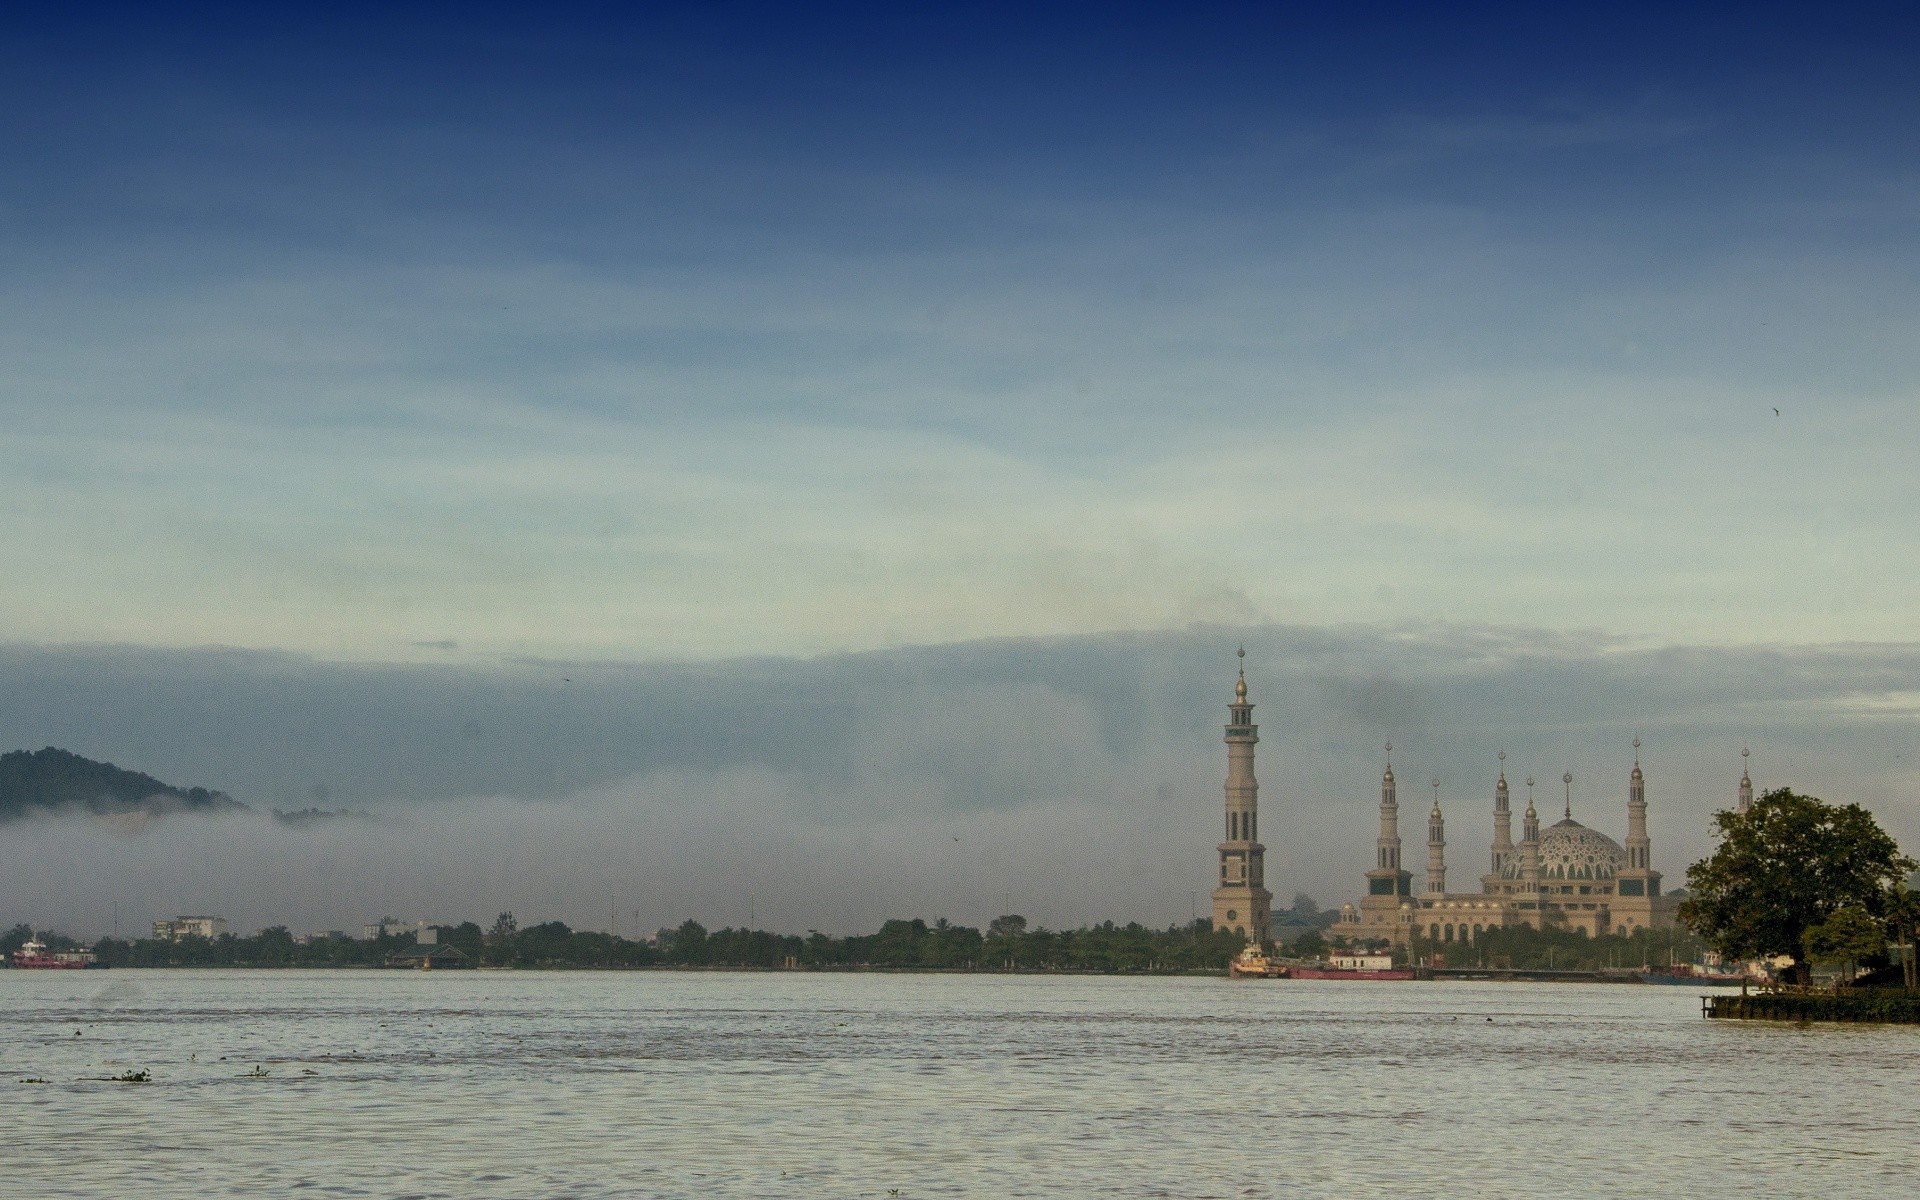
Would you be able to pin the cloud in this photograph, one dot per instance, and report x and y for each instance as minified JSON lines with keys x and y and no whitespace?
{"x":1081,"y":774}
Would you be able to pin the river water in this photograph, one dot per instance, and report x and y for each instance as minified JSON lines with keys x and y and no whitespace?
{"x":485,"y":1084}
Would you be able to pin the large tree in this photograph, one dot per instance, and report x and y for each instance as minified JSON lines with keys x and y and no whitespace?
{"x":1784,"y":866}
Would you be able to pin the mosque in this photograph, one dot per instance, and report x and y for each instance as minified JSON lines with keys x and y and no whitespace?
{"x":1566,"y":876}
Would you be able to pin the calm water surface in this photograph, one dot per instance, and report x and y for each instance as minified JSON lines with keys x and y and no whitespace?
{"x":668,"y":1084}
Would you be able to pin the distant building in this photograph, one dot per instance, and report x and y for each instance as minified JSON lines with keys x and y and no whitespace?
{"x":391,"y":927}
{"x":186,"y":927}
{"x":1565,"y":877}
{"x":428,"y":954}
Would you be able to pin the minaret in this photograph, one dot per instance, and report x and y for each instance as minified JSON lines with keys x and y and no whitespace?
{"x":1242,"y":902}
{"x":1639,"y":878}
{"x":1746,"y":783}
{"x":1387,"y":879}
{"x":1530,"y":844}
{"x":1638,"y":845}
{"x":1502,"y":830}
{"x":1436,"y":847}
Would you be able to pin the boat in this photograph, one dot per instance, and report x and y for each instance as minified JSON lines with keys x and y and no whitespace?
{"x":34,"y":956}
{"x":1352,"y":964}
{"x":1253,"y":963}
{"x":1685,"y":976}
{"x":1330,"y":972}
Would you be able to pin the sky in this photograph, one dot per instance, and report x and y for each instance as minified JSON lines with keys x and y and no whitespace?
{"x":368,"y":368}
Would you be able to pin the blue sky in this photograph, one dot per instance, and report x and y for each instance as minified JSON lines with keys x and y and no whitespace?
{"x":744,"y":330}
{"x":489,"y":341}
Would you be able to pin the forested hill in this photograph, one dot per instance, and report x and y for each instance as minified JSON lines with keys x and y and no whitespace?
{"x":52,"y":780}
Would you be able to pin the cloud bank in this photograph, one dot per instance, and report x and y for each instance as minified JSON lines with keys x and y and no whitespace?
{"x":1071,"y":779}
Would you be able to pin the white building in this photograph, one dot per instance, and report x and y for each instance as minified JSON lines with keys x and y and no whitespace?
{"x":186,"y":927}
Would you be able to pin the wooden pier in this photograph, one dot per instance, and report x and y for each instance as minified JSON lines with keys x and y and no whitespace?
{"x":1896,"y":1006}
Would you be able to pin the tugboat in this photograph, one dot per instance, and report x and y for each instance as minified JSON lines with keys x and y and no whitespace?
{"x":34,"y":956}
{"x":1254,"y":964}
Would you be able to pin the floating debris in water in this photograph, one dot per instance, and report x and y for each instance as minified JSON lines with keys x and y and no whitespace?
{"x":134,"y":1077}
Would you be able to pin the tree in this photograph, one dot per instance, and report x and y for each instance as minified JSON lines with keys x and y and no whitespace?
{"x":1903,"y":917}
{"x":1308,"y":945}
{"x":1847,"y":936}
{"x":1010,"y":926}
{"x":1784,"y":866}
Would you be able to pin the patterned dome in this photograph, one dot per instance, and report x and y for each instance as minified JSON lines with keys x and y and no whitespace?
{"x":1570,"y":850}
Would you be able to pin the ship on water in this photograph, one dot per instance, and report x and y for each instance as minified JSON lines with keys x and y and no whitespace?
{"x":34,"y":956}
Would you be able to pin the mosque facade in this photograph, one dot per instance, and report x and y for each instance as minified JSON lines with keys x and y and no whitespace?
{"x":1565,"y":876}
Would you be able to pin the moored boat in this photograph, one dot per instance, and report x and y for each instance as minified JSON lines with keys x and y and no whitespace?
{"x":34,"y":956}
{"x":1691,"y":976}
{"x":1253,"y":963}
{"x":1299,"y":972}
{"x":1352,"y":964}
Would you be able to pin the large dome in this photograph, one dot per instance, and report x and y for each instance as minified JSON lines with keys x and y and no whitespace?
{"x":1570,"y":850}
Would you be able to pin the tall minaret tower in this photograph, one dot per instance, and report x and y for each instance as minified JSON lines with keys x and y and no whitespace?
{"x":1436,"y":847}
{"x":1530,"y":844}
{"x":1502,"y":830}
{"x":1746,"y":783}
{"x":1387,"y":881}
{"x":1639,"y":879}
{"x":1242,"y":902}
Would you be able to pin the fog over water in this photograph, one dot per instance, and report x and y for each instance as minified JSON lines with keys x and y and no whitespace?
{"x":1070,"y":779}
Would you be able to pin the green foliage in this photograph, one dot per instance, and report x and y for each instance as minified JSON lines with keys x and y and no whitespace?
{"x":1849,"y":936}
{"x":52,"y":779}
{"x":1008,"y":944}
{"x":1307,"y":945}
{"x":1785,"y":866}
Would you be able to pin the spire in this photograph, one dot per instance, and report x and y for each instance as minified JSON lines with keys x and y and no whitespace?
{"x":1639,"y":847}
{"x":1530,"y":842}
{"x":1502,"y":824}
{"x":1436,"y":846}
{"x":1568,"y":780}
{"x":1746,"y":782}
{"x":1241,"y":902}
{"x":1387,"y":852}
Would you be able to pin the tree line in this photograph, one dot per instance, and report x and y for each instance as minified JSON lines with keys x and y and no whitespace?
{"x":1007,"y":943}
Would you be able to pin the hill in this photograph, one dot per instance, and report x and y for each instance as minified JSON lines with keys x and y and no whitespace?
{"x":54,"y":780}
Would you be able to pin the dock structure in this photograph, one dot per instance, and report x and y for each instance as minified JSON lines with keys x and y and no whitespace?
{"x":1893,"y":1006}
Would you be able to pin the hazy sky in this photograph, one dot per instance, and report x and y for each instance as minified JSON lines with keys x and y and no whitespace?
{"x":414,"y":350}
